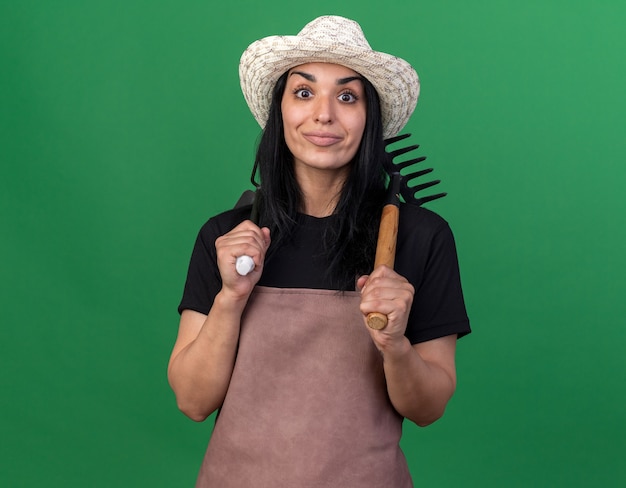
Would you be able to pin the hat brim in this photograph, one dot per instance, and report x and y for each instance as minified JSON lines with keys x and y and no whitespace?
{"x":265,"y":60}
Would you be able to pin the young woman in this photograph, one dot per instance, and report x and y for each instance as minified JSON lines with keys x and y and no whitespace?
{"x":308,"y":394}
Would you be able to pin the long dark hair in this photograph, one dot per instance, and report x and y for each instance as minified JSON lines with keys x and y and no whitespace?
{"x":350,"y":245}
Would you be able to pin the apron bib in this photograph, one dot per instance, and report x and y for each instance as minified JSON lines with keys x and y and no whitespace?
{"x":307,"y":404}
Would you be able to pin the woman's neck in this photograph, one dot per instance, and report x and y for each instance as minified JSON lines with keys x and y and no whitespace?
{"x":320,"y":192}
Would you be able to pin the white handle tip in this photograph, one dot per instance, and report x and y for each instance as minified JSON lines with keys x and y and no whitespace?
{"x":244,"y":265}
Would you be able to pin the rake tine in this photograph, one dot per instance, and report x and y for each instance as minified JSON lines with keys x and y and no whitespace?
{"x":395,"y":139}
{"x":417,"y":174}
{"x":410,"y":162}
{"x":423,"y":186}
{"x":430,"y":198}
{"x":402,"y":150}
{"x":409,"y":193}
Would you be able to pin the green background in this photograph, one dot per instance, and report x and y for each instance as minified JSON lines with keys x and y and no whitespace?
{"x":123,"y":128}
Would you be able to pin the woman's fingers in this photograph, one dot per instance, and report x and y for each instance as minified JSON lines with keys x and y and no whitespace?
{"x":386,"y":292}
{"x":247,"y":239}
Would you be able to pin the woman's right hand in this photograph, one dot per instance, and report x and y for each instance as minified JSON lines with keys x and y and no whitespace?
{"x":245,"y":239}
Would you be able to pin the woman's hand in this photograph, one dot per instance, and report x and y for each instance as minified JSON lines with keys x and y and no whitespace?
{"x":386,"y":292}
{"x":245,"y":239}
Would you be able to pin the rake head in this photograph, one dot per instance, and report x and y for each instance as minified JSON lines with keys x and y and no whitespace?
{"x":408,"y":188}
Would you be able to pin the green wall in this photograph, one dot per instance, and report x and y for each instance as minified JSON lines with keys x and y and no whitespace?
{"x":123,"y":128}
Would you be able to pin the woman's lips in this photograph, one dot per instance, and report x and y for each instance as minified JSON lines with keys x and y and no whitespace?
{"x":322,"y":138}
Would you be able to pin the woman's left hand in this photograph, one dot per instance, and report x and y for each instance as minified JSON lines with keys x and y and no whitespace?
{"x":389,"y":293}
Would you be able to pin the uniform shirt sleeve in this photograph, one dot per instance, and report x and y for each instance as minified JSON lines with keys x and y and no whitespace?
{"x":203,"y":277}
{"x":427,"y":257}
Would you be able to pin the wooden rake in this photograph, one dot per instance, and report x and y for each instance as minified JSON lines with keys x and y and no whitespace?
{"x":401,"y":187}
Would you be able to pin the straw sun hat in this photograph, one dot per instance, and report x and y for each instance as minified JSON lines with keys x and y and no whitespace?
{"x":329,"y":39}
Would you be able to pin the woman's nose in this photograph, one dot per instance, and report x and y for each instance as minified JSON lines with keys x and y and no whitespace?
{"x":324,"y":110}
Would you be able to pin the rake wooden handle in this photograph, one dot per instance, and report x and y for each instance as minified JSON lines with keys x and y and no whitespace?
{"x":385,"y":254}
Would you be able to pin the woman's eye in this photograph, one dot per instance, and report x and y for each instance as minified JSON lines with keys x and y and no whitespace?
{"x":348,"y":97}
{"x":303,"y":93}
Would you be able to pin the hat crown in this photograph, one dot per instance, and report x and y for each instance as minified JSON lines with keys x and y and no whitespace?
{"x":335,"y":29}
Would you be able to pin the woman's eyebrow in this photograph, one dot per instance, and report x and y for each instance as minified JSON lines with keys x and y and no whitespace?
{"x":312,"y":79}
{"x":304,"y":75}
{"x":343,"y":81}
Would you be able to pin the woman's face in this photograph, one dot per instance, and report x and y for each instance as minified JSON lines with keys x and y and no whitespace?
{"x":323,"y":109}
